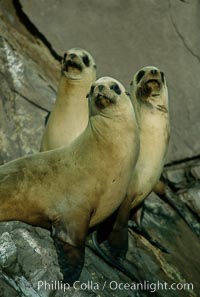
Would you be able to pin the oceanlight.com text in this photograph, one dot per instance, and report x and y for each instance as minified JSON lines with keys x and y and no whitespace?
{"x":114,"y":286}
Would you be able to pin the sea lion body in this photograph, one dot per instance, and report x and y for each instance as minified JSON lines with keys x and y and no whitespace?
{"x":69,"y":117}
{"x":149,"y":95}
{"x":60,"y":182}
{"x":75,"y":187}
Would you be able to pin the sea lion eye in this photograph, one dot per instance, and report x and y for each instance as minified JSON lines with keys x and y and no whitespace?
{"x":162,"y":76}
{"x":140,"y":76}
{"x":86,"y":60}
{"x":116,"y":89}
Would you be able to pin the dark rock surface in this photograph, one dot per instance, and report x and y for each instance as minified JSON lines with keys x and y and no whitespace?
{"x":27,"y":91}
{"x":29,"y":74}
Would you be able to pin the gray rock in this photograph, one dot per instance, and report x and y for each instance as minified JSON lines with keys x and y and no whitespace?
{"x":195,"y":171}
{"x":8,"y":251}
{"x":21,"y":116}
{"x":191,"y":197}
{"x":177,"y":177}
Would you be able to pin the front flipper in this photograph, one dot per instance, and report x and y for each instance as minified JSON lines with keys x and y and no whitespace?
{"x":111,"y":260}
{"x":114,"y":231}
{"x":69,"y":239}
{"x":70,"y":259}
{"x":113,"y":234}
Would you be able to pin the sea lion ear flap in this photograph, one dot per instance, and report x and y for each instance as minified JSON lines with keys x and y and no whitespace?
{"x":127,"y":93}
{"x":90,"y":92}
{"x":62,"y":60}
{"x":162,"y":76}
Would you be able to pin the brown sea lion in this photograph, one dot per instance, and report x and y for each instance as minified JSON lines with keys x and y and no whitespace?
{"x":149,"y":96}
{"x":75,"y":187}
{"x":69,"y":116}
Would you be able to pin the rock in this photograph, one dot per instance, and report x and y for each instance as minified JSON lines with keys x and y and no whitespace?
{"x":8,"y":250}
{"x":35,"y":258}
{"x":182,"y":174}
{"x":21,"y":114}
{"x":191,"y":198}
{"x":176,"y":177}
{"x":195,"y":171}
{"x":27,"y":90}
{"x":166,"y":226}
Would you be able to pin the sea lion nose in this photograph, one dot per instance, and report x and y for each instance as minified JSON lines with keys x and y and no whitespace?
{"x":100,"y":87}
{"x":154,"y":71}
{"x":116,"y":88}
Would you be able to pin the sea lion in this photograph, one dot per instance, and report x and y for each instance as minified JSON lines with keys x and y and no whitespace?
{"x":149,"y":96}
{"x":69,"y":116}
{"x":69,"y":189}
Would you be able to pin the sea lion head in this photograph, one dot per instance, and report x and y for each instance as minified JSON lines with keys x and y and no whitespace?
{"x":149,"y":87}
{"x":105,"y":94}
{"x":77,"y":63}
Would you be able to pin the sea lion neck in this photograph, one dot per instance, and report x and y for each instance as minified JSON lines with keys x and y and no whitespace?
{"x":73,"y":89}
{"x":155,"y":104}
{"x":74,"y":79}
{"x":107,"y":124}
{"x":67,"y":82}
